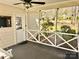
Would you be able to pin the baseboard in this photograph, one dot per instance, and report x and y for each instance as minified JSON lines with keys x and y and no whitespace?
{"x":23,"y":42}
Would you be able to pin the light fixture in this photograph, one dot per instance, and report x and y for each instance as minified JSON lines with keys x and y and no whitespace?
{"x":27,"y":6}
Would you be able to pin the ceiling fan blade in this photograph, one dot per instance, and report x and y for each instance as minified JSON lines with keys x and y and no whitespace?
{"x":38,"y":2}
{"x":18,"y":3}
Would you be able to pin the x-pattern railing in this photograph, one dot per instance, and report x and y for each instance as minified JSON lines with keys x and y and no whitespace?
{"x":46,"y":38}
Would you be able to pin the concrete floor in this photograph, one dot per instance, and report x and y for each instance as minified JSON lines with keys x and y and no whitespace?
{"x":32,"y":50}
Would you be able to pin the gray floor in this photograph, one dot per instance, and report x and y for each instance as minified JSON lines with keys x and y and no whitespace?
{"x":37,"y":51}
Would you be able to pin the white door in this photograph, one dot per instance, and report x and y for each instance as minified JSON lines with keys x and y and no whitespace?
{"x":20,"y":37}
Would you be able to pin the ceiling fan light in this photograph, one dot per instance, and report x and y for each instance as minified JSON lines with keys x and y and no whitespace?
{"x":27,"y":6}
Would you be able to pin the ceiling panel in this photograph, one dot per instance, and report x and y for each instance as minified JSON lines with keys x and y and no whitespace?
{"x":11,"y":2}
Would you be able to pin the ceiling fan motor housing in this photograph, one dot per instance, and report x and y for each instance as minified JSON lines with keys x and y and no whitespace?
{"x":27,"y":1}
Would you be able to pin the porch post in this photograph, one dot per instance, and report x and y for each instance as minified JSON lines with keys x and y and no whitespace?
{"x":78,"y":39}
{"x":26,"y":23}
{"x":78,"y":32}
{"x":39,"y":24}
{"x":78,"y":45}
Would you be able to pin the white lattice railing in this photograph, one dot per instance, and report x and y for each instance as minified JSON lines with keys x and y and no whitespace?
{"x":55,"y":37}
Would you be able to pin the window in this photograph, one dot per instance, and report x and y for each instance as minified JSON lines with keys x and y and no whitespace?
{"x":18,"y":23}
{"x":5,"y":21}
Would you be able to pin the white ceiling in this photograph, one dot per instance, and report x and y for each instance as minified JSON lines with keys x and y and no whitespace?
{"x":11,"y":2}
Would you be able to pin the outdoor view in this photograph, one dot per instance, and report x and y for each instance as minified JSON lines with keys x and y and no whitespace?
{"x":62,"y":21}
{"x":57,"y":27}
{"x":63,"y":17}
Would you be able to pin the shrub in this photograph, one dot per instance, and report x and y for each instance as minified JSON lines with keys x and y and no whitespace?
{"x":47,"y":26}
{"x":67,"y":29}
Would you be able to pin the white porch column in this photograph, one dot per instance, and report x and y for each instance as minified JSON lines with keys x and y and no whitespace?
{"x":78,"y":46}
{"x":78,"y":43}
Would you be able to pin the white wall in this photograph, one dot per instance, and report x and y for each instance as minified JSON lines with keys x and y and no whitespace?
{"x":8,"y":35}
